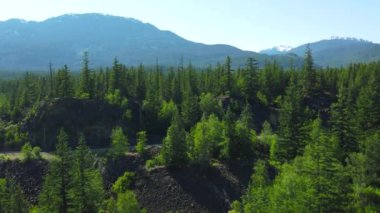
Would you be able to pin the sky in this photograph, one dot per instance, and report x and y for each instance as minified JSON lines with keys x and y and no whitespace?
{"x":247,"y":24}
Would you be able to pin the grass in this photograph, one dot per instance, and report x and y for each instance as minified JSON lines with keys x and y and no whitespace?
{"x":18,"y":156}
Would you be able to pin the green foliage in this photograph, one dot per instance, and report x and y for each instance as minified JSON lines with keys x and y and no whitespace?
{"x":309,"y":73}
{"x":190,"y":111}
{"x":123,"y":182}
{"x":313,"y":182}
{"x":206,"y":140}
{"x":257,"y":196}
{"x":174,"y":149}
{"x":262,"y":98}
{"x":26,"y":151}
{"x":14,"y":137}
{"x":291,"y":120}
{"x":365,"y":172}
{"x":86,"y":190}
{"x":242,"y":141}
{"x":167,"y":111}
{"x":11,"y":197}
{"x":36,"y":152}
{"x":209,"y":105}
{"x":115,"y":97}
{"x":87,"y":83}
{"x":318,"y":166}
{"x":123,"y":199}
{"x":156,"y":161}
{"x":54,"y":196}
{"x":63,"y":82}
{"x":29,"y":152}
{"x":248,"y":81}
{"x":124,"y":202}
{"x":141,"y":142}
{"x":72,"y":183}
{"x":120,"y":143}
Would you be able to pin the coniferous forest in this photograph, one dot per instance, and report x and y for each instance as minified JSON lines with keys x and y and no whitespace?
{"x":310,"y":134}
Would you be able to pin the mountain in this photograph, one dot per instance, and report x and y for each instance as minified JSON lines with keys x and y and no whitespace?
{"x":338,"y":52}
{"x":29,"y":45}
{"x":282,"y":49}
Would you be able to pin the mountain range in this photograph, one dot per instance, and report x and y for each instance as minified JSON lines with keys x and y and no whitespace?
{"x":334,"y":52}
{"x":30,"y":45}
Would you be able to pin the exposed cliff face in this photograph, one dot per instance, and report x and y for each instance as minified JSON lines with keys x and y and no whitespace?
{"x":95,"y":119}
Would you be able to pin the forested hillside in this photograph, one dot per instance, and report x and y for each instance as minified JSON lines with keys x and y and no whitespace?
{"x":311,"y":134}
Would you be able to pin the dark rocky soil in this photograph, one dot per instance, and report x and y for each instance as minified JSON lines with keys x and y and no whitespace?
{"x":28,"y":174}
{"x":188,"y":189}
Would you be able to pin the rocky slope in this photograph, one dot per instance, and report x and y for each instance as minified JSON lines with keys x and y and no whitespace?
{"x":189,"y":189}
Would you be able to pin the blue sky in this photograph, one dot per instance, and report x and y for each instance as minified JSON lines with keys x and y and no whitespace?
{"x":246,"y":24}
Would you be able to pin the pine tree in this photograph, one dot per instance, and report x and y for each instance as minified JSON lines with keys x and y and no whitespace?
{"x":141,"y":142}
{"x":54,"y":196}
{"x":257,"y":196}
{"x":342,"y":123}
{"x":249,"y":79}
{"x":309,"y":73}
{"x":174,"y":149}
{"x":190,"y":110}
{"x":365,"y":173}
{"x":12,"y":198}
{"x":291,"y":122}
{"x":86,"y":87}
{"x":86,"y":190}
{"x":115,"y":76}
{"x":64,"y":87}
{"x":226,"y":81}
{"x":323,"y":167}
{"x":119,"y":141}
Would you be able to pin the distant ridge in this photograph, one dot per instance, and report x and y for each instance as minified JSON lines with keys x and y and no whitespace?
{"x":30,"y":45}
{"x":337,"y":51}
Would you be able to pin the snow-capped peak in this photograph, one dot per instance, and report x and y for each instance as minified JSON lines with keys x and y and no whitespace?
{"x":283,"y":48}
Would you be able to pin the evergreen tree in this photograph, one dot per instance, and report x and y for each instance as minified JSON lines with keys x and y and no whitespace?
{"x":54,"y":196}
{"x":309,"y":73}
{"x":291,"y":121}
{"x":120,"y":144}
{"x":174,"y":150}
{"x":64,"y":87}
{"x":365,"y":172}
{"x":227,"y":81}
{"x":249,"y":79}
{"x":86,"y":190}
{"x":115,"y":76}
{"x":190,"y":111}
{"x":86,"y":87}
{"x":141,"y":142}
{"x":257,"y":197}
{"x":342,"y":122}
{"x":12,"y":198}
{"x":241,"y":146}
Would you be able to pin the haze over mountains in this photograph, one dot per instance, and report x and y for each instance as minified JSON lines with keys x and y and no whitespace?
{"x":29,"y":45}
